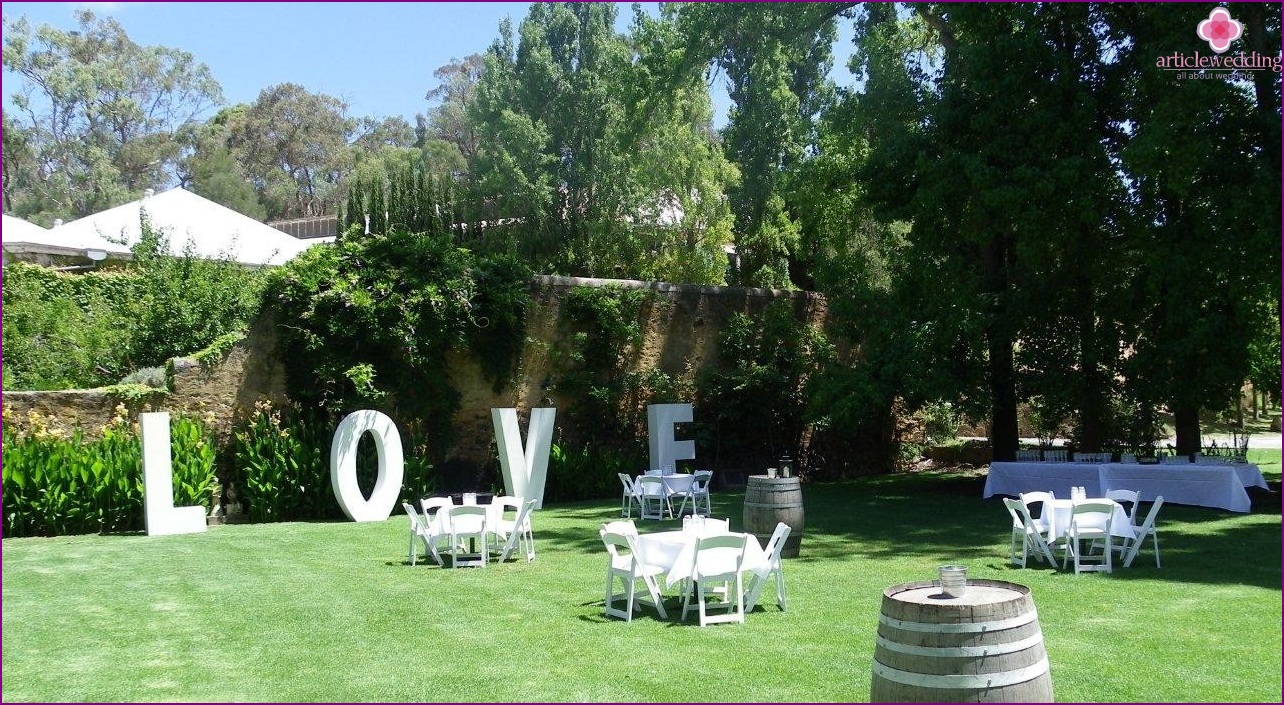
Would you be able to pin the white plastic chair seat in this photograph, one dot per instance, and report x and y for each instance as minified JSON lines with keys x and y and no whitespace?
{"x":468,"y":526}
{"x":1148,"y":528}
{"x":418,"y":531}
{"x":630,"y":495}
{"x":653,"y":495}
{"x":516,"y":534}
{"x":697,"y":491}
{"x":1028,"y":534}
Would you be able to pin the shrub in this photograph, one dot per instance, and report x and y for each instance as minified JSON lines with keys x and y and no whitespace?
{"x":282,"y":464}
{"x":148,"y":377}
{"x":54,"y":485}
{"x":64,"y":331}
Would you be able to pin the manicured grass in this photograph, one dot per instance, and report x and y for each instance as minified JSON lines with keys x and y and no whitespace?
{"x":332,"y":612}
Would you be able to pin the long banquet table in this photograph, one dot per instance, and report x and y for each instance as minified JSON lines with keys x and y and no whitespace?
{"x":1220,"y":486}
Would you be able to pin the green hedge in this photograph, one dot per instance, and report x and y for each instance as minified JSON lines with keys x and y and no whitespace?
{"x":282,"y":464}
{"x":54,"y":485}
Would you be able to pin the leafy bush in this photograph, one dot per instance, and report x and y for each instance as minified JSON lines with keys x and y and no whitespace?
{"x":759,"y":396}
{"x":589,"y":472}
{"x":54,"y":485}
{"x":282,"y":461}
{"x":371,"y":319}
{"x":148,"y":377}
{"x":64,"y":331}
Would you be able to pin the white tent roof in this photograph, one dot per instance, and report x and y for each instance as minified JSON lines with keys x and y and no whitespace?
{"x":213,"y":230}
{"x":21,"y":236}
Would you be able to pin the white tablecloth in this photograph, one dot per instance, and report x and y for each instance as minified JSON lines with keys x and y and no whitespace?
{"x":1219,"y":486}
{"x":675,"y":485}
{"x":1014,"y":478}
{"x":1063,"y":508}
{"x":675,"y":552}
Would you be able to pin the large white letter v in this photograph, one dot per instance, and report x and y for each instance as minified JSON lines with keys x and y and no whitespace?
{"x":525,"y":467}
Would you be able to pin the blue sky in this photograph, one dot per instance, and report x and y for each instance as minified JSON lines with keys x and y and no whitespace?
{"x":378,"y":57}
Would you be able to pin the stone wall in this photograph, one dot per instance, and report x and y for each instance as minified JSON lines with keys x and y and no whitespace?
{"x":679,"y":338}
{"x":219,"y":389}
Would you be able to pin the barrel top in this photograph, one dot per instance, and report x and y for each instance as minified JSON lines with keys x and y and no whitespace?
{"x":767,"y":480}
{"x":979,"y":592}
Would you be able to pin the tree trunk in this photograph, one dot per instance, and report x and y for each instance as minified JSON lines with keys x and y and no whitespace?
{"x":1003,"y":404}
{"x":1186,"y":419}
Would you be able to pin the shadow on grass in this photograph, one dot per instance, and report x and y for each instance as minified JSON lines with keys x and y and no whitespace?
{"x":934,"y":513}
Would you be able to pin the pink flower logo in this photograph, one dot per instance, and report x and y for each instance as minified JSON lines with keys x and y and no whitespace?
{"x":1219,"y":30}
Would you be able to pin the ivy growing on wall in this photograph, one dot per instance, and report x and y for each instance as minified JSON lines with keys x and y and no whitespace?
{"x":368,"y":322}
{"x":757,"y":399}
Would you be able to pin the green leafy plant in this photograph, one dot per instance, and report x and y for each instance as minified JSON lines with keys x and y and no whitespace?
{"x":55,"y":484}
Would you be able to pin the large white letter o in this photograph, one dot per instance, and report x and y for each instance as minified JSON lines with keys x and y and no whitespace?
{"x":343,"y":465}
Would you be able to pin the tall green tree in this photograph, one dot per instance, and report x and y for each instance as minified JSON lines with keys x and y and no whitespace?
{"x":214,"y":168}
{"x":296,"y":148}
{"x":99,"y":117}
{"x":449,"y":122}
{"x":776,"y":58}
{"x":560,"y":148}
{"x":1202,"y":160}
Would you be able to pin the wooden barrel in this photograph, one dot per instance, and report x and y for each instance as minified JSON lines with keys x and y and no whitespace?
{"x":982,"y":647}
{"x":770,"y":500}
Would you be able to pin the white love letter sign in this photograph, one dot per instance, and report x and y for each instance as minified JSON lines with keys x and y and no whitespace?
{"x":343,"y":465}
{"x":660,"y":419}
{"x":525,"y":467}
{"x":160,"y":515}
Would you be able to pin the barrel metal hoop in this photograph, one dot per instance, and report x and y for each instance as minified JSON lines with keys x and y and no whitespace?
{"x":963,"y":682}
{"x":963,"y":628}
{"x":967,"y":651}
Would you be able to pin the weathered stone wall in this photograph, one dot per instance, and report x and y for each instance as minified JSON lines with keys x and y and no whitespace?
{"x":219,"y":389}
{"x":679,"y":339}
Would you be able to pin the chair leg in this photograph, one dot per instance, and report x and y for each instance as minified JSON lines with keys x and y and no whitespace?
{"x":780,"y":590}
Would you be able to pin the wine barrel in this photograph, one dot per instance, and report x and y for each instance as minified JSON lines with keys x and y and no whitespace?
{"x":982,"y":647}
{"x":770,"y":500}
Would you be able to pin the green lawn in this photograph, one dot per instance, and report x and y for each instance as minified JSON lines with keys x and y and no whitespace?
{"x":332,"y":612}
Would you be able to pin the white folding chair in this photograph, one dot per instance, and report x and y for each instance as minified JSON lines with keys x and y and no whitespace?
{"x":1129,"y":500}
{"x":757,"y":581}
{"x":622,"y":526}
{"x":629,"y":497}
{"x":468,"y":523}
{"x":418,"y":530}
{"x":623,"y":564}
{"x":1089,"y":521}
{"x":699,"y":491}
{"x":519,"y":535}
{"x":718,"y":559}
{"x":438,"y":536}
{"x":1042,"y":520}
{"x":654,"y":497}
{"x":1147,"y":528}
{"x":1025,"y":530}
{"x":502,"y":519}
